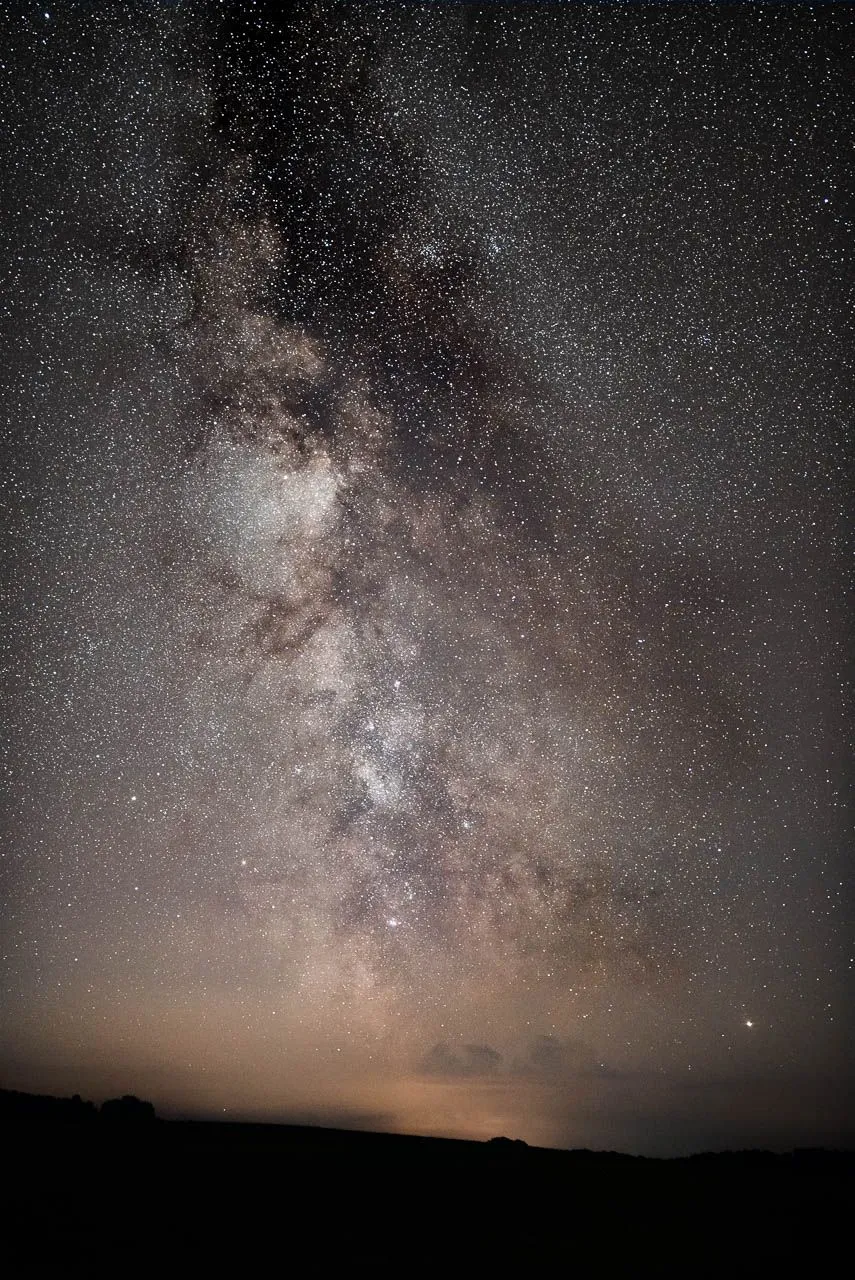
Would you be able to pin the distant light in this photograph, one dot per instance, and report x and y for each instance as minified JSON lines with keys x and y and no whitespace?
{"x":393,"y":923}
{"x":748,"y":1022}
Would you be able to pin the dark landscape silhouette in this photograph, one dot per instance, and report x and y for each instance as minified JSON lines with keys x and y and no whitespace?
{"x":90,"y":1180}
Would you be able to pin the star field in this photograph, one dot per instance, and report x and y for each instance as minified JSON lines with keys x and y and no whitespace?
{"x":425,"y":633}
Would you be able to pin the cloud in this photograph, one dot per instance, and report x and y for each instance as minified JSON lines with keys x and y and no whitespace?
{"x":545,"y":1057}
{"x":467,"y":1060}
{"x":547,"y":1054}
{"x":481,"y":1058}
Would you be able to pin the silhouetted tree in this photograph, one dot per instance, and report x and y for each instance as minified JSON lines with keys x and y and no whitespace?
{"x":79,"y":1110}
{"x":127,"y":1110}
{"x":507,"y":1144}
{"x":34,"y":1108}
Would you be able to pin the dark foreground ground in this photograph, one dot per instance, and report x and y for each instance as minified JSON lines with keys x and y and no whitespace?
{"x":158,"y":1196}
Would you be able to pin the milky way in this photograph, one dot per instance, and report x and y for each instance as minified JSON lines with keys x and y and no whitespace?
{"x":425,"y":653}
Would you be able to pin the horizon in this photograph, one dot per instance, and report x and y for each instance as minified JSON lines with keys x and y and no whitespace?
{"x":270,"y":1123}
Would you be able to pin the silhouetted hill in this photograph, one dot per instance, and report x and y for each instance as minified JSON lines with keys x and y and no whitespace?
{"x":85,"y":1185}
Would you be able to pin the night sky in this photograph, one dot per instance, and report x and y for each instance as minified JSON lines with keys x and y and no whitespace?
{"x":424,"y":623}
